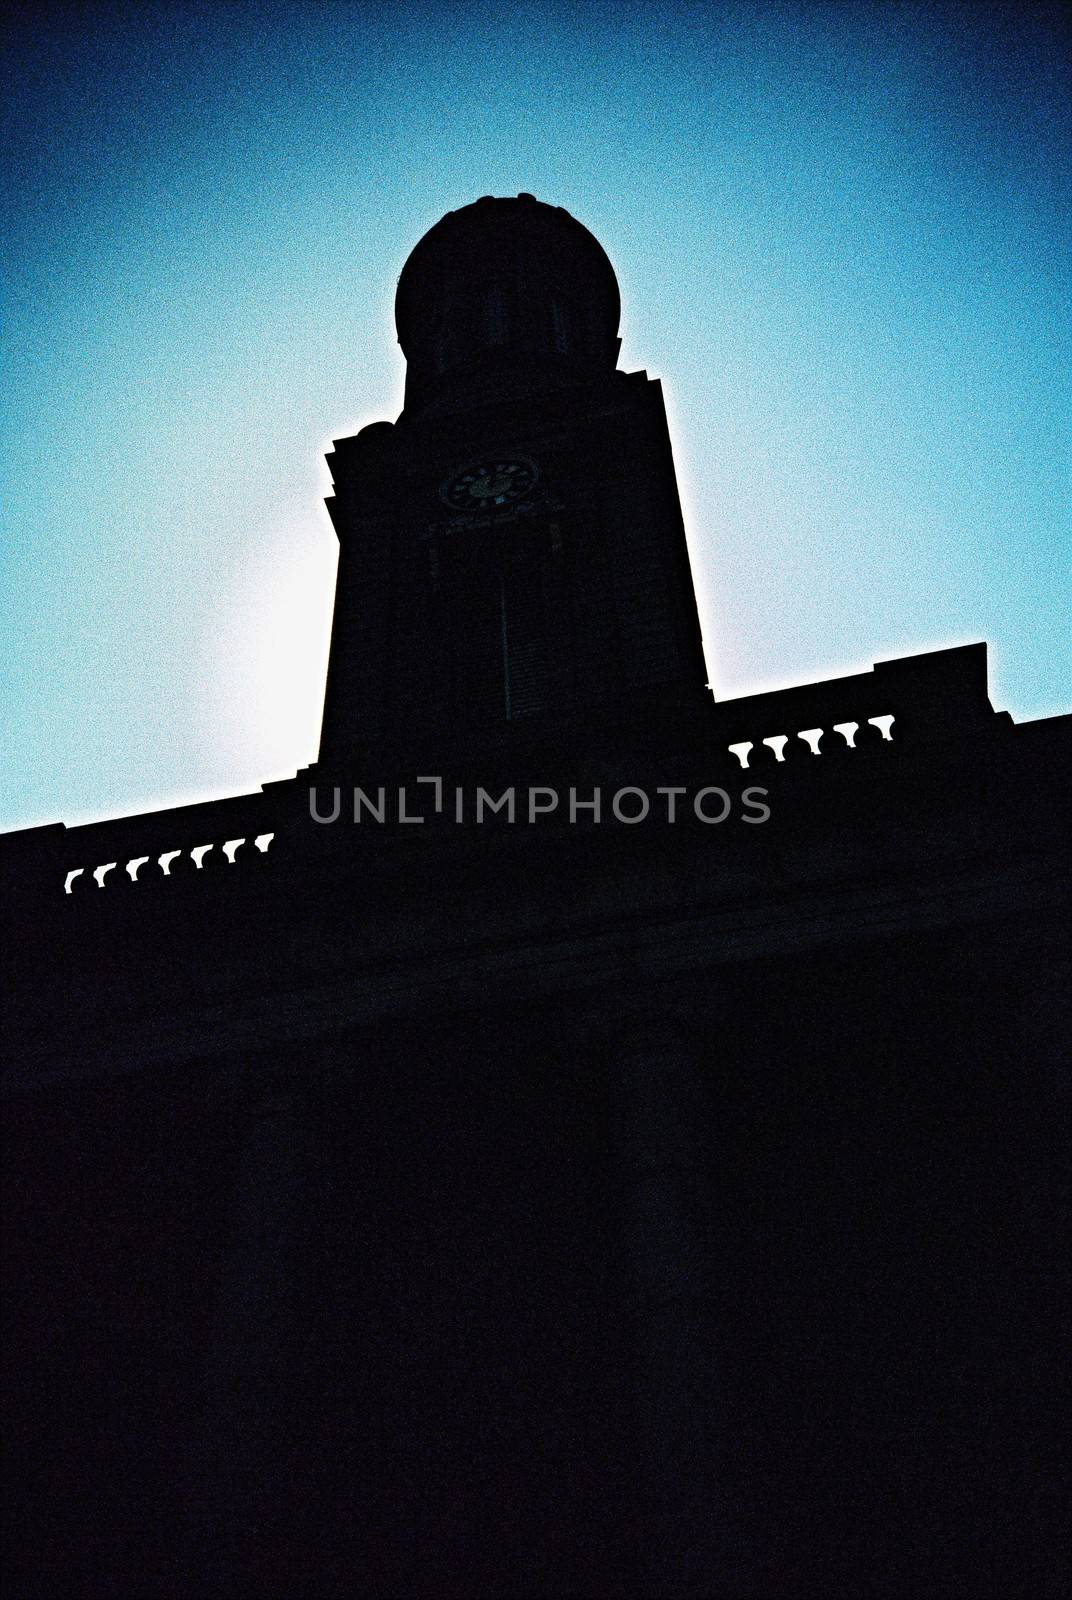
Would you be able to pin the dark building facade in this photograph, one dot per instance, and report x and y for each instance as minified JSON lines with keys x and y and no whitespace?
{"x":577,"y":1138}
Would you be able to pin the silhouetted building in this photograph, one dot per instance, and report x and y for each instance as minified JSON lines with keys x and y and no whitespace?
{"x":641,"y":1175}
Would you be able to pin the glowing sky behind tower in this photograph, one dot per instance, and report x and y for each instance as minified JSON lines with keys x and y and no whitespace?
{"x":842,"y":235}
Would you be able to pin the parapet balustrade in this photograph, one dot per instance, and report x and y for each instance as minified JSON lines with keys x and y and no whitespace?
{"x":779,"y":743}
{"x":165,"y":861}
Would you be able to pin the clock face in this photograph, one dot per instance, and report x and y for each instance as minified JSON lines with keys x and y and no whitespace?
{"x":490,"y":483}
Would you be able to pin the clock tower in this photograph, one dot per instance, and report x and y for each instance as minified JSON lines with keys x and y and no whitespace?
{"x":532,"y":1203}
{"x":512,"y":554}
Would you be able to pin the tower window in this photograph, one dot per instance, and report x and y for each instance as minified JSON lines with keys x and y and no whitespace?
{"x":494,"y":314}
{"x":560,"y":322}
{"x":524,"y":641}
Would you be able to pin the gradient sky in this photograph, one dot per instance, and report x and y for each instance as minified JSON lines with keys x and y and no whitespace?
{"x":843,"y":239}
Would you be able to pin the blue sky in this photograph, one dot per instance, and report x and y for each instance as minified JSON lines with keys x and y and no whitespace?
{"x":842,"y":234}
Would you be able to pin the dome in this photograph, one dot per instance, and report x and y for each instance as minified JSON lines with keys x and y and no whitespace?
{"x":505,"y":284}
